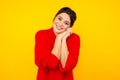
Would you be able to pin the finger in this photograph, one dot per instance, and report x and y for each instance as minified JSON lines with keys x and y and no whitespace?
{"x":64,"y":33}
{"x":69,"y":29}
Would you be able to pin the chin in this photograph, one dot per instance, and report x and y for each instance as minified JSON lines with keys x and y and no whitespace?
{"x":58,"y":32}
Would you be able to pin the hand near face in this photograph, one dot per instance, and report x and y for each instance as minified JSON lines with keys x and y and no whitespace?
{"x":68,"y":33}
{"x":65,"y":34}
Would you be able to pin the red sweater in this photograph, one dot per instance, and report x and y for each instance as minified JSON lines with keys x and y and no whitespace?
{"x":49,"y":67}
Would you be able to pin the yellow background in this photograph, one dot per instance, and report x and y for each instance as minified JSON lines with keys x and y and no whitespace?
{"x":98,"y":23}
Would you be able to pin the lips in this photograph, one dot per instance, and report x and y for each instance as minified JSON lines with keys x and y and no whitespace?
{"x":58,"y":28}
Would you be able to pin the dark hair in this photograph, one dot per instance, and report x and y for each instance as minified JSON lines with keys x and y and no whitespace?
{"x":70,"y":12}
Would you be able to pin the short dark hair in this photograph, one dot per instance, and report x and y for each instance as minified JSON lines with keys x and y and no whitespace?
{"x":70,"y":12}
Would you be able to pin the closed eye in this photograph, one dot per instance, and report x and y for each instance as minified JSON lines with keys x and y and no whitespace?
{"x":66,"y":23}
{"x":59,"y":18}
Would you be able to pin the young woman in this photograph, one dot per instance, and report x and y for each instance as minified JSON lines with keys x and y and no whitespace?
{"x":57,"y":48}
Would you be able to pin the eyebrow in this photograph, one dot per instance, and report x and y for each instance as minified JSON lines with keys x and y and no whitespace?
{"x":59,"y":16}
{"x":67,"y":22}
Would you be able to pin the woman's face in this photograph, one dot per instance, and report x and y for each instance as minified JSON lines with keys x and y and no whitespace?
{"x":61,"y":23}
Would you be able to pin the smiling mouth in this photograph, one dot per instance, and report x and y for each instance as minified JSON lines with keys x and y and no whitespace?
{"x":59,"y":28}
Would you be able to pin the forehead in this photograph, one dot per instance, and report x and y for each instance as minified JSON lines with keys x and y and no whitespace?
{"x":65,"y":16}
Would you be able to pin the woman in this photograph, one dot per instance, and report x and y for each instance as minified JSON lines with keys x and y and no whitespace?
{"x":57,"y":49}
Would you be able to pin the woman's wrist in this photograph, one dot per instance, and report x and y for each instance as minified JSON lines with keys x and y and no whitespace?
{"x":64,"y":39}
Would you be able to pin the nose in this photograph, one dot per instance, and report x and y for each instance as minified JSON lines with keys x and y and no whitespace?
{"x":61,"y":24}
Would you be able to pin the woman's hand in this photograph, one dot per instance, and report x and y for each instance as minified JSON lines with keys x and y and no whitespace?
{"x":64,"y":48}
{"x":59,"y":42}
{"x":65,"y":34}
{"x":68,"y":33}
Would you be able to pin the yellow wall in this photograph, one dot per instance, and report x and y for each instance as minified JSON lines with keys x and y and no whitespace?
{"x":97,"y":24}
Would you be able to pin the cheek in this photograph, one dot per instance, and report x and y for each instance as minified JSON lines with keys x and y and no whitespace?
{"x":56,"y":20}
{"x":66,"y":27}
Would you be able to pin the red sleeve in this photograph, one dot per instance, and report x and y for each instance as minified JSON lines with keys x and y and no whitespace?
{"x":73,"y":47}
{"x":43,"y":56}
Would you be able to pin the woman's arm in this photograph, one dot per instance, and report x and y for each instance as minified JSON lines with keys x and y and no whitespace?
{"x":64,"y":48}
{"x":57,"y":47}
{"x":43,"y":55}
{"x":72,"y":55}
{"x":60,"y":49}
{"x":64,"y":52}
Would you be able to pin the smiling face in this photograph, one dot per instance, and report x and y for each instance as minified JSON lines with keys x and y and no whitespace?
{"x":61,"y":23}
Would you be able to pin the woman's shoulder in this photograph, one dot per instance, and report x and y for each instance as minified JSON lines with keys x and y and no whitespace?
{"x":75,"y":36}
{"x":74,"y":39}
{"x":42,"y":32}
